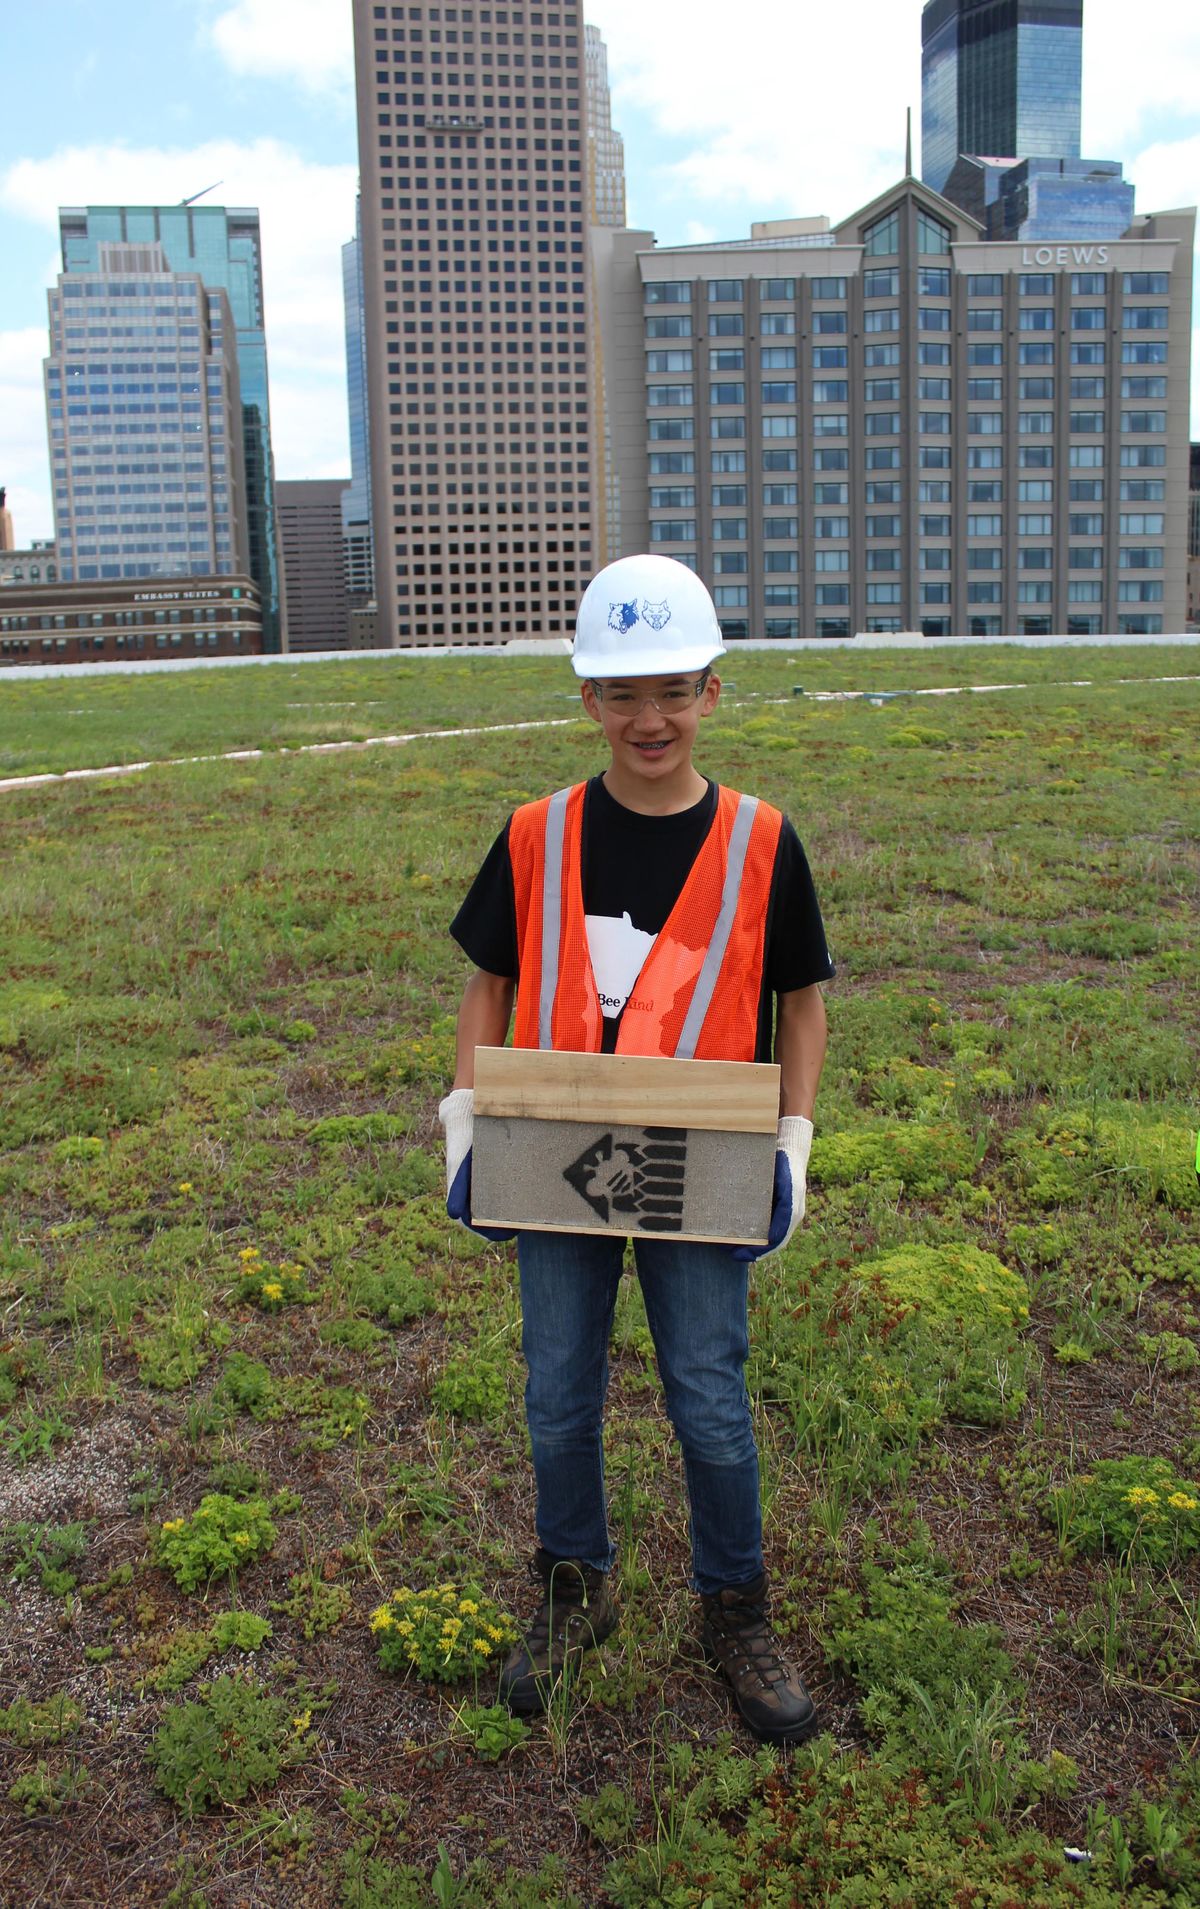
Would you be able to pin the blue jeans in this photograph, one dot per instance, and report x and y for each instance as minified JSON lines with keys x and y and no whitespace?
{"x":695,"y":1297}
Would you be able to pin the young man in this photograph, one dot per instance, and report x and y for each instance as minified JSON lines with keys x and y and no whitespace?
{"x":647,"y":911}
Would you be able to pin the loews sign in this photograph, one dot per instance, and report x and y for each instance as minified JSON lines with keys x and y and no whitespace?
{"x":1064,"y":255}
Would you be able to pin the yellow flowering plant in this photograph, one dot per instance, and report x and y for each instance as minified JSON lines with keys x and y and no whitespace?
{"x":442,"y":1633}
{"x":271,"y":1287}
{"x":1137,"y":1506}
{"x":221,"y":1536}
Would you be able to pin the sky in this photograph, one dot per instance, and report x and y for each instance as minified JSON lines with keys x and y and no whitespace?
{"x":802,"y":111}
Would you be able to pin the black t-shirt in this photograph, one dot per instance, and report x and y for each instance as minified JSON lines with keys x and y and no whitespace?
{"x":634,"y":867}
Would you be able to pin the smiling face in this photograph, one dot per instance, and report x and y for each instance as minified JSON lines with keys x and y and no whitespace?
{"x":650,"y":724}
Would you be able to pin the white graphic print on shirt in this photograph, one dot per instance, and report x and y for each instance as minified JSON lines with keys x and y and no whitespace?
{"x":618,"y":951}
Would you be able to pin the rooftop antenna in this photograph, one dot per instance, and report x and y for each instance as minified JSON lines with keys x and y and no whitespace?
{"x":202,"y":192}
{"x":908,"y":142}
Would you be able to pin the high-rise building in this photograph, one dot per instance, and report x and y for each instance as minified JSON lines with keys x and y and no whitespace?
{"x":606,"y":201}
{"x":999,"y":77}
{"x":903,"y":424}
{"x":356,"y":498}
{"x":472,"y":130}
{"x":1077,"y":199}
{"x":224,"y":245}
{"x":145,"y":420}
{"x":7,"y":539}
{"x":606,"y":148}
{"x":310,"y":543}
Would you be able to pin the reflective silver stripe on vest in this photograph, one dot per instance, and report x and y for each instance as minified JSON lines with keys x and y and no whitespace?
{"x":556,"y":823}
{"x":706,"y":980}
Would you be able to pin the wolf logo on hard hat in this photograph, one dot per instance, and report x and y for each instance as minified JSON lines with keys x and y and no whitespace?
{"x":622,"y":616}
{"x":657,"y":615}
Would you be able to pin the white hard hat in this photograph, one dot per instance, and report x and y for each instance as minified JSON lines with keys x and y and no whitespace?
{"x":645,"y":616}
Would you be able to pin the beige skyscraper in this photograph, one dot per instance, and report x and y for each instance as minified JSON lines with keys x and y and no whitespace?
{"x":476,"y":201}
{"x":606,"y":148}
{"x":7,"y":541}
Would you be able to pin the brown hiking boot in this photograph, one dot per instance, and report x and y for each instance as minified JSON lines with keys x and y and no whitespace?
{"x":768,"y":1692}
{"x":576,"y":1613}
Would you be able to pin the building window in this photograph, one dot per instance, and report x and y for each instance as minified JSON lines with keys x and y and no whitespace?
{"x":933,"y":281}
{"x":725,"y":324}
{"x":1154,"y":283}
{"x":668,"y":292}
{"x":783,"y":324}
{"x":933,"y":238}
{"x":777,"y":288}
{"x":1089,"y":284}
{"x":984,"y":285}
{"x":828,"y":288}
{"x":881,"y":284}
{"x":725,"y":291}
{"x":883,"y":237}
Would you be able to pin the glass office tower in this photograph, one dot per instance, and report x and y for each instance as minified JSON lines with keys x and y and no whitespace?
{"x":222,"y":244}
{"x":145,"y":417}
{"x":1000,"y":78}
{"x":356,"y":498}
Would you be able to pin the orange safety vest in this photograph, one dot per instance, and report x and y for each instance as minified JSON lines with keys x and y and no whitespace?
{"x":698,"y":992}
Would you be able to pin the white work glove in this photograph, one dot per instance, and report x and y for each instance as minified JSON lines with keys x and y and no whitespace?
{"x":792,"y":1148}
{"x":457,"y":1115}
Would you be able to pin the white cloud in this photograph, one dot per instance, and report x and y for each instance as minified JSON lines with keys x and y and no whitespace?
{"x":307,"y":41}
{"x":24,"y":460}
{"x":307,"y":213}
{"x":786,"y":120}
{"x":1138,"y":72}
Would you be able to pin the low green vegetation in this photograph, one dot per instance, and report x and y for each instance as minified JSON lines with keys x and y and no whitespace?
{"x":265,"y":1499}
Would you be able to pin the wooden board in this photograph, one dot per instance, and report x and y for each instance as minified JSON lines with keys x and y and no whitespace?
{"x":618,"y":1144}
{"x":725,"y":1096}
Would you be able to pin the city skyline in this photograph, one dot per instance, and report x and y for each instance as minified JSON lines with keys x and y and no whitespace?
{"x":270,"y":114}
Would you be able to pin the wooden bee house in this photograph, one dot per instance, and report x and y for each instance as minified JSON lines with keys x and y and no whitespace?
{"x":625,"y":1144}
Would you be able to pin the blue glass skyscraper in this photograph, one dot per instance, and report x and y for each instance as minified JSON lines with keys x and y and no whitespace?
{"x":1000,"y":79}
{"x":145,"y":422}
{"x":223,"y":245}
{"x":356,"y":499}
